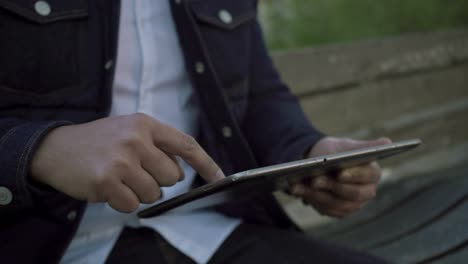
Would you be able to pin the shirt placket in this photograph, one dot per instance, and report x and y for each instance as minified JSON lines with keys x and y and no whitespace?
{"x":142,"y":12}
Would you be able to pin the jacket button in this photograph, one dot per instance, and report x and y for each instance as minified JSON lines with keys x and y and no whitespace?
{"x":225,"y":16}
{"x":178,"y":1}
{"x":199,"y":67}
{"x":42,"y":8}
{"x":5,"y":196}
{"x":71,"y":215}
{"x":109,"y":64}
{"x":227,"y":132}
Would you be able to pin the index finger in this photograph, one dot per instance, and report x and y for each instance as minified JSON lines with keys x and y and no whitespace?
{"x":366,"y":174}
{"x":174,"y":142}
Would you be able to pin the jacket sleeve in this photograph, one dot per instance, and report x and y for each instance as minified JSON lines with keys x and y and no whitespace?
{"x":275,"y":125}
{"x":18,"y":141}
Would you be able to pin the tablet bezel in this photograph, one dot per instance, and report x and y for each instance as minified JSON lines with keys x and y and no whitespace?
{"x":276,"y":177}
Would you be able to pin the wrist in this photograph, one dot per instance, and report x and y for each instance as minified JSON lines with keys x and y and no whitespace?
{"x":42,"y":160}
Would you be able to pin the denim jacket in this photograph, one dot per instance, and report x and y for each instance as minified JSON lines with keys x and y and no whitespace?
{"x":57,"y":63}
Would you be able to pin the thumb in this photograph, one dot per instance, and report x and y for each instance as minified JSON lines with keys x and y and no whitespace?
{"x":351,"y":144}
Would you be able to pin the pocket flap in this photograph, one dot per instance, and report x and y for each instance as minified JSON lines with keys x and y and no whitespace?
{"x":224,"y":14}
{"x":46,"y":11}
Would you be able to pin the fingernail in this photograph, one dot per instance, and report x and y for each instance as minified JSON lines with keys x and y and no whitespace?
{"x":385,"y":140}
{"x":320,"y":183}
{"x":297,"y":190}
{"x":346,"y":176}
{"x":220,"y":174}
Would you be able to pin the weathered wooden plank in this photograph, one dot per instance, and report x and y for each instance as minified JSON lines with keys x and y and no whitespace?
{"x":411,"y":215}
{"x":316,"y":70}
{"x":376,"y":103}
{"x":457,"y":257}
{"x":438,"y":133}
{"x":446,"y":233}
{"x":417,"y":118}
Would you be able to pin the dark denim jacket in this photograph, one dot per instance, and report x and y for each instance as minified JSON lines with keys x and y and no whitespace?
{"x":57,"y":69}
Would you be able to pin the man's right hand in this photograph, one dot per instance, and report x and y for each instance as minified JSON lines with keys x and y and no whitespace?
{"x":122,"y":160}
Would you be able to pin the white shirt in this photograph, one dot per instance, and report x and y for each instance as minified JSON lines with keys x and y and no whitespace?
{"x":151,"y":78}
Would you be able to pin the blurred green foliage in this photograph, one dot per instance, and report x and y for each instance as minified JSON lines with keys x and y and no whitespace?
{"x":298,"y":23}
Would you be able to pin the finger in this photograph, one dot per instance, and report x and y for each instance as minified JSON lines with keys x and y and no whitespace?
{"x":162,"y":167}
{"x":332,"y":213}
{"x":174,"y":142}
{"x":298,"y":190}
{"x":177,"y":162}
{"x":351,"y":144}
{"x":362,"y":174}
{"x":144,"y":186}
{"x":351,"y":192}
{"x":123,"y":199}
{"x":328,"y":204}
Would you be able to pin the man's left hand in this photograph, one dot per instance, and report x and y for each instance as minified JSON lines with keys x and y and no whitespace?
{"x":343,"y":194}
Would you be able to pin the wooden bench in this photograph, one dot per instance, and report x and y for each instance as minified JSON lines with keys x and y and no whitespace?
{"x":403,"y":87}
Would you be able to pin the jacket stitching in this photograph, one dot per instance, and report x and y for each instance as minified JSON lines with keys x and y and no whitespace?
{"x":57,"y":15}
{"x":7,"y":134}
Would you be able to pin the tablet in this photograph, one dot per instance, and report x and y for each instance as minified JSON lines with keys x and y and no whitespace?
{"x":248,"y":184}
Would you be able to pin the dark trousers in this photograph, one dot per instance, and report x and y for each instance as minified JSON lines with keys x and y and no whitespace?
{"x":247,"y":244}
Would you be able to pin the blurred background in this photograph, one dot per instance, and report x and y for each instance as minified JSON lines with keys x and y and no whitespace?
{"x":366,"y":69}
{"x":298,"y":23}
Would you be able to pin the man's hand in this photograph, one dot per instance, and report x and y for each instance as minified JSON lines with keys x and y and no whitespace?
{"x":121,"y":160}
{"x":342,"y":194}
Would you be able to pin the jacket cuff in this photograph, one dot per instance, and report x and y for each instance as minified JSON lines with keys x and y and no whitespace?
{"x":17,"y":148}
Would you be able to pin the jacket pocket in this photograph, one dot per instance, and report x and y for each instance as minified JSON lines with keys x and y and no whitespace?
{"x":226,"y":27}
{"x":41,"y":45}
{"x":225,"y":15}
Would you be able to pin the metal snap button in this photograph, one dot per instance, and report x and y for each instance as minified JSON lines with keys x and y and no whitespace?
{"x":227,"y":131}
{"x":199,"y":67}
{"x":109,"y":64}
{"x":5,"y":196}
{"x":71,"y":215}
{"x":225,"y":16}
{"x":42,"y":8}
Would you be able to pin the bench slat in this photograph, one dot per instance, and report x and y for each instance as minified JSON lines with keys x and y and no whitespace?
{"x":422,"y":209}
{"x":443,"y":235}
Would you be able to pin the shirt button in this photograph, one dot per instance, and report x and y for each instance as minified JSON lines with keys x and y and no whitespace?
{"x":199,"y":67}
{"x":225,"y":16}
{"x":42,"y":8}
{"x":109,"y":64}
{"x":227,"y":132}
{"x":5,"y":196}
{"x":71,"y":215}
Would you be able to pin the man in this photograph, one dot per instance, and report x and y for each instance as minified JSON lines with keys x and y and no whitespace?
{"x":72,"y":177}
